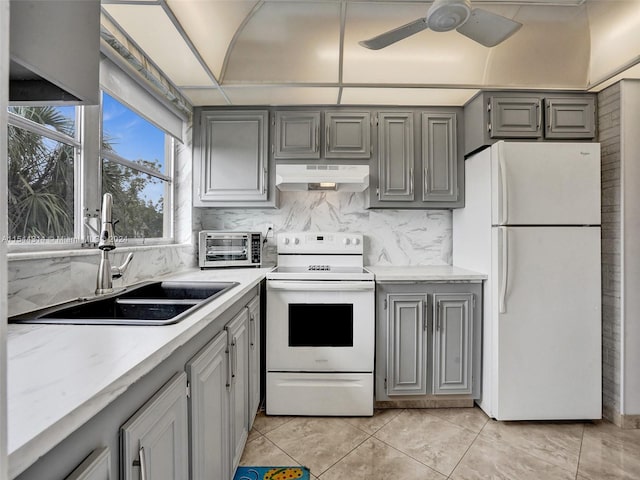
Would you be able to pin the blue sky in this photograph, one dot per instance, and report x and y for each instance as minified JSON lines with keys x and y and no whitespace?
{"x":133,"y":138}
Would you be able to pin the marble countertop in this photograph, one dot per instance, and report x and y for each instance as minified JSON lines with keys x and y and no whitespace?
{"x":60,"y":376}
{"x":424,"y":273}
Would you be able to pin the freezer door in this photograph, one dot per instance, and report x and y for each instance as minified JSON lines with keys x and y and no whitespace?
{"x":546,"y":323}
{"x":545,"y":183}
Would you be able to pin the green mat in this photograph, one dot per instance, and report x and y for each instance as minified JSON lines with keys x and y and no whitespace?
{"x":272,"y":473}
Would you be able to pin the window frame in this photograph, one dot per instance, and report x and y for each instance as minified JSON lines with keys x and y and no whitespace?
{"x":88,"y":157}
{"x":169,"y":180}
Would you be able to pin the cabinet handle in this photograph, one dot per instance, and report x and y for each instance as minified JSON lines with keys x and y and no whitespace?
{"x":326,"y":138}
{"x":318,"y":138}
{"x":252,"y":340}
{"x":229,"y":367}
{"x":143,"y":464}
{"x":265,"y":180}
{"x":426,"y":315}
{"x":411,"y":180}
{"x":539,"y":116}
{"x":549,"y":119}
{"x":426,"y":179}
{"x":234,"y":357}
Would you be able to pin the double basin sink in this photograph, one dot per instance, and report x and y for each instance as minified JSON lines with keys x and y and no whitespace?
{"x":150,"y":303}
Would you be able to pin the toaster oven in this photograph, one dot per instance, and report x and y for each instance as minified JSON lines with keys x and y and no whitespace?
{"x":229,"y":249}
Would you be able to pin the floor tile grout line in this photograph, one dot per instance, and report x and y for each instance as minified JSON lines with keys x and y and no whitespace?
{"x":453,"y":423}
{"x":468,"y":448}
{"x":343,"y":457}
{"x":408,"y":455}
{"x":580,"y":452}
{"x":285,"y":452}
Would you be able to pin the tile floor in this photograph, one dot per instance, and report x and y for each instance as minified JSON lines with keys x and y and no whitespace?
{"x":436,"y":444}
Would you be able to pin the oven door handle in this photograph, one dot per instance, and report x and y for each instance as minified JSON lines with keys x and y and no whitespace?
{"x":327,"y":286}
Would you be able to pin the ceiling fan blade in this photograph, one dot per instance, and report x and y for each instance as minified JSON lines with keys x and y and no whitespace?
{"x":395,"y":35}
{"x":488,"y":28}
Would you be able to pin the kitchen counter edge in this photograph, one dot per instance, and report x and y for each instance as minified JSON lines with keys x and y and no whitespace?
{"x":424,"y":273}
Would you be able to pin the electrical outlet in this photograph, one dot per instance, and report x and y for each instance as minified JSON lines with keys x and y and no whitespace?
{"x":269,"y":226}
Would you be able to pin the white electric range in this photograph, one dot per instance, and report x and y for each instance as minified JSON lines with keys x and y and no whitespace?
{"x":320,"y":327}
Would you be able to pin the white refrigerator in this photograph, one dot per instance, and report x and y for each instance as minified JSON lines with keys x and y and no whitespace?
{"x":532,"y":223}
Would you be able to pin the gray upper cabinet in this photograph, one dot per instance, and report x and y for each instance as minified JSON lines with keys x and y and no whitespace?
{"x":238,"y":348}
{"x":515,"y":117}
{"x":452,"y":346}
{"x":570,"y":117}
{"x":534,"y":116}
{"x":297,"y":135}
{"x":96,"y":466}
{"x":406,"y":326}
{"x":209,"y":380}
{"x":155,"y":441}
{"x":395,"y":157}
{"x":231,"y":159}
{"x":439,"y":157}
{"x":55,"y":52}
{"x":419,"y":162}
{"x":347,"y":134}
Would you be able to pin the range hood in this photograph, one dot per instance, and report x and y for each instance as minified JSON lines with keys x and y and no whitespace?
{"x":341,"y":178}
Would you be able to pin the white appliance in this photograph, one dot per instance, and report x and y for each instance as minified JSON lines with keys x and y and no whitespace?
{"x":532,"y":223}
{"x":320,"y":327}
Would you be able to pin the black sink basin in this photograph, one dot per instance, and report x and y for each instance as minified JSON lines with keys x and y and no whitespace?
{"x":153,"y":303}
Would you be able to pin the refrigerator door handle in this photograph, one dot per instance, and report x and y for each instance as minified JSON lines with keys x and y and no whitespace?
{"x":504,"y":267}
{"x":503,"y":214}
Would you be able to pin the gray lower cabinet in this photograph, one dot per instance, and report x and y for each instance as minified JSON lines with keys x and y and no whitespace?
{"x":209,"y":409}
{"x":297,"y":135}
{"x":254,"y":358}
{"x":428,"y":340}
{"x":96,"y":466}
{"x":347,"y":134}
{"x":238,"y":347}
{"x":452,"y":343}
{"x":231,"y":159}
{"x":155,"y":441}
{"x":406,"y":344}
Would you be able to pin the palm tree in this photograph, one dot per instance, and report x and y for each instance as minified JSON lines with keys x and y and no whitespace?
{"x":41,"y":183}
{"x":40,"y":177}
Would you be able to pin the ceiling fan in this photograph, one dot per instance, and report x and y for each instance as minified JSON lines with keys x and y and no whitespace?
{"x":486,"y":28}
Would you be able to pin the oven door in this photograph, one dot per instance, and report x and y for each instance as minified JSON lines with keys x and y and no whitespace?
{"x":322,"y":326}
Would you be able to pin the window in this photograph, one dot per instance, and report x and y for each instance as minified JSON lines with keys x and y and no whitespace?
{"x":43,"y":153}
{"x":136,"y":170}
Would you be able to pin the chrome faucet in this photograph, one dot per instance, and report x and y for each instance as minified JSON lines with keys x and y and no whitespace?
{"x":106,"y":273}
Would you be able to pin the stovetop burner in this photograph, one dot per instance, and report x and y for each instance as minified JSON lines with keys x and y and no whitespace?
{"x":319,"y":268}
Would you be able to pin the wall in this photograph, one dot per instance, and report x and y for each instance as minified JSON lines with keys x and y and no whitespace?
{"x":399,"y":237}
{"x":630,"y":154}
{"x":4,"y":97}
{"x":609,"y":126}
{"x":619,"y":116}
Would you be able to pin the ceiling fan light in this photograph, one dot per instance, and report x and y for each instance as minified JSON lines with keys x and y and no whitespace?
{"x":445,"y":15}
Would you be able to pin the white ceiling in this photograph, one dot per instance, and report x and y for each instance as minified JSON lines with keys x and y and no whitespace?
{"x":277,"y":52}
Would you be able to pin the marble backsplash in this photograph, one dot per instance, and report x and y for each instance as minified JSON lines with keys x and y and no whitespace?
{"x":392,"y":237}
{"x":41,"y":280}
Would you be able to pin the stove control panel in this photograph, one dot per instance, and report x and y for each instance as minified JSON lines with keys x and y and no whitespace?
{"x":320,"y":243}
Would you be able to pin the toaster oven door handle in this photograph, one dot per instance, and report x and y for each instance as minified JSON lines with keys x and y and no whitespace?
{"x":328,"y":286}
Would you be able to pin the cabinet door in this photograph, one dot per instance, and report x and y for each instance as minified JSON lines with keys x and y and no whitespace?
{"x":570,"y":117}
{"x":297,"y":135}
{"x":513,"y":117}
{"x":96,"y":466}
{"x":209,"y":380}
{"x":406,"y":348}
{"x":439,"y":157}
{"x":395,"y":156}
{"x":254,"y":358}
{"x":347,"y":134}
{"x":238,"y":348}
{"x":155,"y":441}
{"x":452,"y":349}
{"x":233,"y":156}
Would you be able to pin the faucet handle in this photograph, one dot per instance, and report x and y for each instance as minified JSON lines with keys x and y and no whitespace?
{"x":117,"y":272}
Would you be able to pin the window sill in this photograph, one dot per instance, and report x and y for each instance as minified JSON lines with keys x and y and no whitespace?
{"x":79,"y":252}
